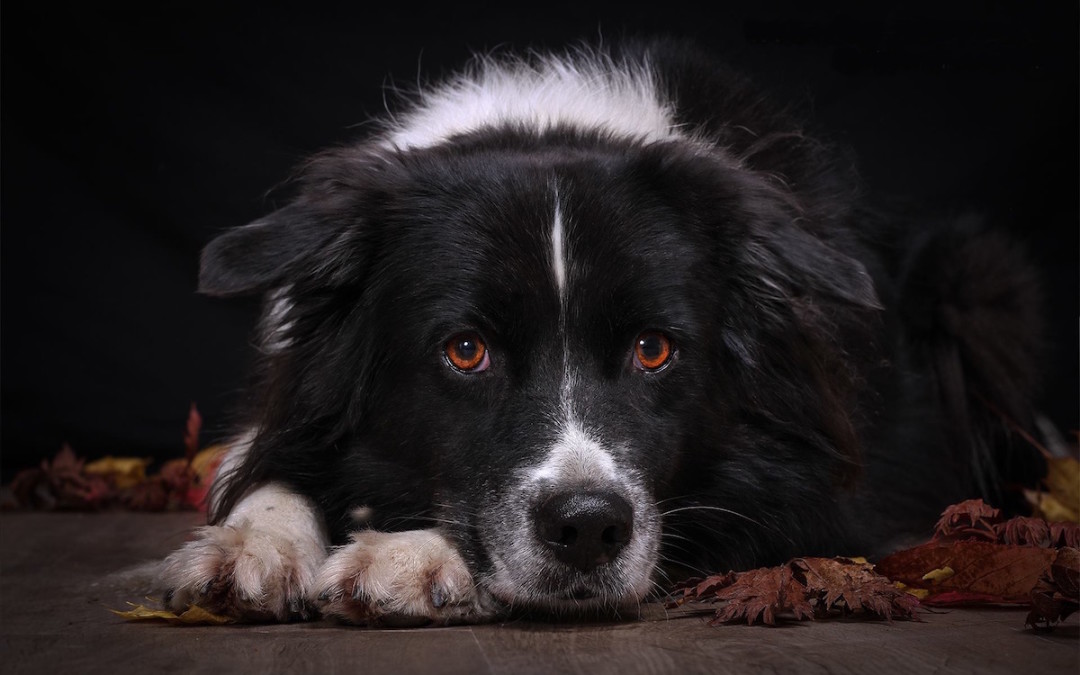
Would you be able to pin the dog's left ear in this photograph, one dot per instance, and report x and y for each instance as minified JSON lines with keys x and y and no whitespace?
{"x":822,"y":267}
{"x":256,"y":257}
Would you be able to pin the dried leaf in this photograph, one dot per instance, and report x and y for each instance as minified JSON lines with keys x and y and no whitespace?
{"x":1065,"y":534}
{"x":1057,"y":594}
{"x":974,"y":520}
{"x":934,"y":576}
{"x":971,"y":519}
{"x":64,"y":485}
{"x":193,"y":616}
{"x":206,"y":461}
{"x":805,"y":588}
{"x":1063,"y":481}
{"x":121,"y":472}
{"x":841,"y":584}
{"x":1046,"y":505}
{"x":191,"y":433}
{"x":995,"y":572}
{"x":64,"y":462}
{"x":758,"y":595}
{"x":1062,"y":502}
{"x":1022,"y":531}
{"x":68,"y":482}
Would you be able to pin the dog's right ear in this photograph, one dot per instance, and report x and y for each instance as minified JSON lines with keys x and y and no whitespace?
{"x":256,"y":257}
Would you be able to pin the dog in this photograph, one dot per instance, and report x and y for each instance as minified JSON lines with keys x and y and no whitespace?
{"x":567,"y":325}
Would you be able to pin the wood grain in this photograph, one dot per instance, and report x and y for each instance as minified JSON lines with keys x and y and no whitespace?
{"x":57,"y":581}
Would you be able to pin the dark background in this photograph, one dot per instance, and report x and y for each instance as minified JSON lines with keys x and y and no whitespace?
{"x":129,"y":138}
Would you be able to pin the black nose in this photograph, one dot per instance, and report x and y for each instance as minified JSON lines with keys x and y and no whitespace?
{"x":585,"y":529}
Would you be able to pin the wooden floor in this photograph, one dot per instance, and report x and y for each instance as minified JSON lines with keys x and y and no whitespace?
{"x":56,"y":588}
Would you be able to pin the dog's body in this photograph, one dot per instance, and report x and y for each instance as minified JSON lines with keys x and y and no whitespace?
{"x":569,"y":320}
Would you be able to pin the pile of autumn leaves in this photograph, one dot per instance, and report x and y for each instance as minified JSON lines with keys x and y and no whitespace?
{"x":976,"y":557}
{"x":69,"y":482}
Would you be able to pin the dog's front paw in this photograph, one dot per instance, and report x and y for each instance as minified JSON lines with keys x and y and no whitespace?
{"x":401,"y":579}
{"x":244,"y":572}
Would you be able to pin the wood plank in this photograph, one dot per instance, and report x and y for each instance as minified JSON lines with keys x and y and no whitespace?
{"x":56,"y":587}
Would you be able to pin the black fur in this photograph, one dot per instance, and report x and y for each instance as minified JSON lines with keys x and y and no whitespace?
{"x":837,"y":367}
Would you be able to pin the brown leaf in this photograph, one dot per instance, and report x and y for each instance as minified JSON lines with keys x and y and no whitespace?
{"x":65,"y":462}
{"x":852,"y":587}
{"x":805,"y":588}
{"x":971,"y":519}
{"x":1003,"y":572}
{"x":1021,"y":531}
{"x":976,"y":520}
{"x":757,"y":595}
{"x":1065,"y":534}
{"x":1037,"y":532}
{"x":713,"y":584}
{"x":1057,"y":593}
{"x":66,"y":486}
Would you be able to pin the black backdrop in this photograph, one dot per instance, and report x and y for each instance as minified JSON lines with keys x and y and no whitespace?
{"x":129,"y":138}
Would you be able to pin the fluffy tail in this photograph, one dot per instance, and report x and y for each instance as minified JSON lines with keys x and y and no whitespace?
{"x":972,"y":305}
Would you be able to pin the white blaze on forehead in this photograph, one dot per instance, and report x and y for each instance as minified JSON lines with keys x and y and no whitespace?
{"x":558,"y":248}
{"x":586,"y":90}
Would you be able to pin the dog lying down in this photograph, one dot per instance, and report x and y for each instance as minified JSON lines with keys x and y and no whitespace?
{"x":569,"y":325}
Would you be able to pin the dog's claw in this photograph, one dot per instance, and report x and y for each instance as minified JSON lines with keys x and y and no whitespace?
{"x":438,"y":595}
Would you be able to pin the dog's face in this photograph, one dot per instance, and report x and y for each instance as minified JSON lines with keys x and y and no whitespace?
{"x":539,"y":342}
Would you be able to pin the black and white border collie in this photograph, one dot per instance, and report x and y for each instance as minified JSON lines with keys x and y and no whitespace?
{"x":569,"y":324}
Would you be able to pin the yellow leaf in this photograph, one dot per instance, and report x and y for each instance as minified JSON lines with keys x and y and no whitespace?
{"x":1063,"y":481}
{"x":124,"y":472}
{"x":193,"y":616}
{"x":919,"y":593}
{"x":140,"y":612}
{"x":206,"y":459}
{"x":939,"y":574}
{"x":198,"y":615}
{"x":1047,"y":507}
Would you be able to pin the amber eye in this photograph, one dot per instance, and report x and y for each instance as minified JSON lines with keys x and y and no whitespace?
{"x":652,"y":351}
{"x":467,"y":352}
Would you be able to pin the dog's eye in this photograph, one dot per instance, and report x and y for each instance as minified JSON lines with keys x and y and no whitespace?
{"x":467,"y":352}
{"x":652,"y":351}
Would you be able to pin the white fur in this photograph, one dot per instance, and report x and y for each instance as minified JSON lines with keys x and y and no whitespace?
{"x":558,"y":249}
{"x":576,"y":459}
{"x":275,"y":321}
{"x":584,"y":90}
{"x":398,"y":576}
{"x":261,"y":563}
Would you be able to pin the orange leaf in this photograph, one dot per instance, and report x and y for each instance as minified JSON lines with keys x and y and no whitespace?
{"x":191,"y":434}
